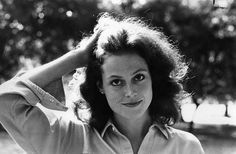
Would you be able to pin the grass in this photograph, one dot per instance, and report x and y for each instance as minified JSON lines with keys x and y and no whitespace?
{"x":215,"y":139}
{"x":218,"y":145}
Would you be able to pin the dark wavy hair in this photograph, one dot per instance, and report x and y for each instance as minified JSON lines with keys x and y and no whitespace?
{"x":166,"y":66}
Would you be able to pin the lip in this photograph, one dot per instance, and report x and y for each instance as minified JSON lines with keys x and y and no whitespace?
{"x":133,"y":104}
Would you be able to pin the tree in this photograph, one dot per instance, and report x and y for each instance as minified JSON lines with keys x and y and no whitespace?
{"x":206,"y":36}
{"x":42,"y":29}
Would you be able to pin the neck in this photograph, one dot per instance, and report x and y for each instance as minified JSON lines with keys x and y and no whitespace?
{"x":133,"y":129}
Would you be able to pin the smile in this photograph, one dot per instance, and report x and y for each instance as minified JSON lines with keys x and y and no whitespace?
{"x":133,"y":104}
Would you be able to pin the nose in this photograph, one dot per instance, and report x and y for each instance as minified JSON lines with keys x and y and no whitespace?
{"x":130,"y":91}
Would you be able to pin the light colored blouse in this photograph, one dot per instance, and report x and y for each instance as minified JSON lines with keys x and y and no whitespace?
{"x":26,"y":113}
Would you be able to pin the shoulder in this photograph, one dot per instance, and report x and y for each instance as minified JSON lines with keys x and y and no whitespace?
{"x":72,"y":129}
{"x":68,"y":119}
{"x":187,"y":141}
{"x":182,"y":135}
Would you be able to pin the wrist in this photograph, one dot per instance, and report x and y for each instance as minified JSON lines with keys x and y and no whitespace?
{"x":79,"y":57}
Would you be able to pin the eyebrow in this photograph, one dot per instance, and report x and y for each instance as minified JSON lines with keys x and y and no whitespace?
{"x":139,"y":70}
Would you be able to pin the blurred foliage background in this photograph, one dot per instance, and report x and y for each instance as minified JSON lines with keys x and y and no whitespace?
{"x":33,"y":32}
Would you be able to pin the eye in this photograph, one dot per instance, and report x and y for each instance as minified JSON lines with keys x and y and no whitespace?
{"x":116,"y":82}
{"x":139,"y":77}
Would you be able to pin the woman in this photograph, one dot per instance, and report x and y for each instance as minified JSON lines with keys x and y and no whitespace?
{"x":132,"y":88}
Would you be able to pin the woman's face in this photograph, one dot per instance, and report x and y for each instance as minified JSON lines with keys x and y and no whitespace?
{"x":127,"y":85}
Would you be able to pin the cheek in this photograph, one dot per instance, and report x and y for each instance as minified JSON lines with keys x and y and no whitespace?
{"x":114,"y":100}
{"x":113,"y":96}
{"x":146,"y":90}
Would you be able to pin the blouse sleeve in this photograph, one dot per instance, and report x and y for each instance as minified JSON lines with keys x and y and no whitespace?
{"x":25,"y":114}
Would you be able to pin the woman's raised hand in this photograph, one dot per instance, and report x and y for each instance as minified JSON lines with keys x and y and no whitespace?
{"x":86,"y":46}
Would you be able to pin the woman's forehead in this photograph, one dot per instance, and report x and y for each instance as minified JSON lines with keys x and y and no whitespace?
{"x":123,"y":64}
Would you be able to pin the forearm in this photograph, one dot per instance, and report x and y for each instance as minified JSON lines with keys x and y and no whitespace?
{"x":54,"y":70}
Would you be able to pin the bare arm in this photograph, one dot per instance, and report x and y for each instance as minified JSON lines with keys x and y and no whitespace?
{"x":25,"y":107}
{"x":54,"y":70}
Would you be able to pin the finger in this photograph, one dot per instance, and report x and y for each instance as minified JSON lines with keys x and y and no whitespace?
{"x":92,"y":41}
{"x":94,"y":37}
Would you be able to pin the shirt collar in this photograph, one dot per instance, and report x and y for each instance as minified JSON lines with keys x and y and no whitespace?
{"x":162,"y":128}
{"x":108,"y":124}
{"x":156,"y":126}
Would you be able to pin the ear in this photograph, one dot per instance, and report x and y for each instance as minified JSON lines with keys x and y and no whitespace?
{"x":100,"y":87}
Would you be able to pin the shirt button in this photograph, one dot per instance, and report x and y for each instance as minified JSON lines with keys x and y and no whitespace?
{"x":114,"y":129}
{"x":51,"y":100}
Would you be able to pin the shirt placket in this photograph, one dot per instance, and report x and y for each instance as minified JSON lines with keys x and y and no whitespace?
{"x":125,"y":145}
{"x":147,"y":143}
